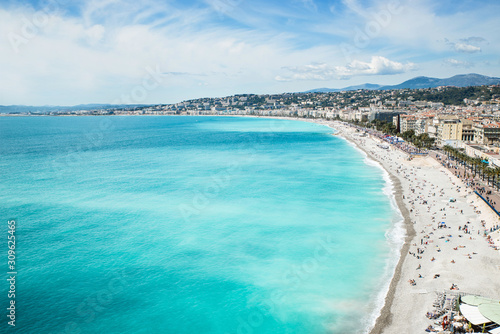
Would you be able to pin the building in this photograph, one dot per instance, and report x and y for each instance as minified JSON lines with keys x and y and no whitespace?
{"x":485,"y":153}
{"x":449,"y":129}
{"x":487,"y":133}
{"x":385,"y":116}
{"x":407,"y":123}
{"x":422,"y":125}
{"x":467,"y":130}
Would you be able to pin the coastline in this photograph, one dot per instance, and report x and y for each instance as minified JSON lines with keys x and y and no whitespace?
{"x":422,"y":186}
{"x":434,"y":258}
{"x":400,"y":307}
{"x":383,"y":314}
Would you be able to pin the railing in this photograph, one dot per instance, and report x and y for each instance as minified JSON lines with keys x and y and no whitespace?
{"x":484,"y":199}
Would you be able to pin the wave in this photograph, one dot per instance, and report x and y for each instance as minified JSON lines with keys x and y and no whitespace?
{"x":395,"y":237}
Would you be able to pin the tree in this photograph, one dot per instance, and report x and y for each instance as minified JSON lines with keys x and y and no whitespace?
{"x":447,"y":149}
{"x":476,"y":162}
{"x":389,"y":128}
{"x":424,"y":140}
{"x":408,"y":135}
{"x":496,"y":174}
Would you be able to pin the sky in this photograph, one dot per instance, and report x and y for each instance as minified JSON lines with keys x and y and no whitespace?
{"x":68,"y":52}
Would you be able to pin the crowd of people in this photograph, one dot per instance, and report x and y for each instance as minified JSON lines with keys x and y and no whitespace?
{"x":487,"y":194}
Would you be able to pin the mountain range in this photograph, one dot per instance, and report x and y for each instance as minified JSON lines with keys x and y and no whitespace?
{"x":462,"y":80}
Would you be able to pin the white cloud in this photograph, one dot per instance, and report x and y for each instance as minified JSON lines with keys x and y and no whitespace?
{"x":71,"y":60}
{"x":224,"y":6}
{"x":418,"y":27}
{"x":95,"y":34}
{"x":377,"y":66}
{"x":458,"y":63}
{"x":466,"y":45}
{"x":466,"y":48}
{"x":355,"y":7}
{"x":255,"y":47}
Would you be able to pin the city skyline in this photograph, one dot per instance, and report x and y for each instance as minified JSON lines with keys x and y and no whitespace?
{"x":67,"y":53}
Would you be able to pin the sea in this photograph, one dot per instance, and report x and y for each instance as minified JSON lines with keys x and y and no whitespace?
{"x":191,"y":225}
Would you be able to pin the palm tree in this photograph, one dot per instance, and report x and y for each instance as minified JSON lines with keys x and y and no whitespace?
{"x":496,"y":174}
{"x":449,"y":151}
{"x":446,"y":149}
{"x":482,"y":166}
{"x":489,"y":173}
{"x":468,"y":163}
{"x":458,"y":157}
{"x":475,"y":164}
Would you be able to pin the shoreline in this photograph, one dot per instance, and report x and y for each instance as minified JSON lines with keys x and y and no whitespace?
{"x":457,"y":255}
{"x":384,"y":316}
{"x":422,"y":191}
{"x":422,"y":186}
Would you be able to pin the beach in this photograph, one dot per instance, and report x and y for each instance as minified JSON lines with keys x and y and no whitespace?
{"x":445,"y":242}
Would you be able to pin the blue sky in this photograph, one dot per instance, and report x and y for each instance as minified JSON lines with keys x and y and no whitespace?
{"x":62,"y":52}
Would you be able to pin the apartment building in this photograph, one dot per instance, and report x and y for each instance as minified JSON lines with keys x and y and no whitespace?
{"x":449,"y":129}
{"x":487,"y":133}
{"x":408,"y":122}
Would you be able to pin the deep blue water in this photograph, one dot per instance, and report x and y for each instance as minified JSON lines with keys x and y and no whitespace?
{"x":191,"y":225}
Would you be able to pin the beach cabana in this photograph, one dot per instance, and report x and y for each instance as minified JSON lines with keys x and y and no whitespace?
{"x":476,"y":300}
{"x":482,"y":311}
{"x":473,"y":315}
{"x":491,"y":311}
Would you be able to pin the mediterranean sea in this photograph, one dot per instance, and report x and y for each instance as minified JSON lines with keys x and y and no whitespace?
{"x":190,"y":225}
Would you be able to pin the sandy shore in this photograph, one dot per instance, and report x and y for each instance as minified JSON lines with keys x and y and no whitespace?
{"x":434,"y":257}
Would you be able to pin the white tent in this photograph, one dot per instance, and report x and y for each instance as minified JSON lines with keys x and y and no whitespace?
{"x":472,"y":314}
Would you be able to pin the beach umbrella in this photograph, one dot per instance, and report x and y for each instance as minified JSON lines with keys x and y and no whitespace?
{"x":476,"y":300}
{"x":473,"y":315}
{"x":491,"y":311}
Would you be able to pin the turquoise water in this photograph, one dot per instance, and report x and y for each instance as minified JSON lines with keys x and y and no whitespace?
{"x":191,"y":225}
